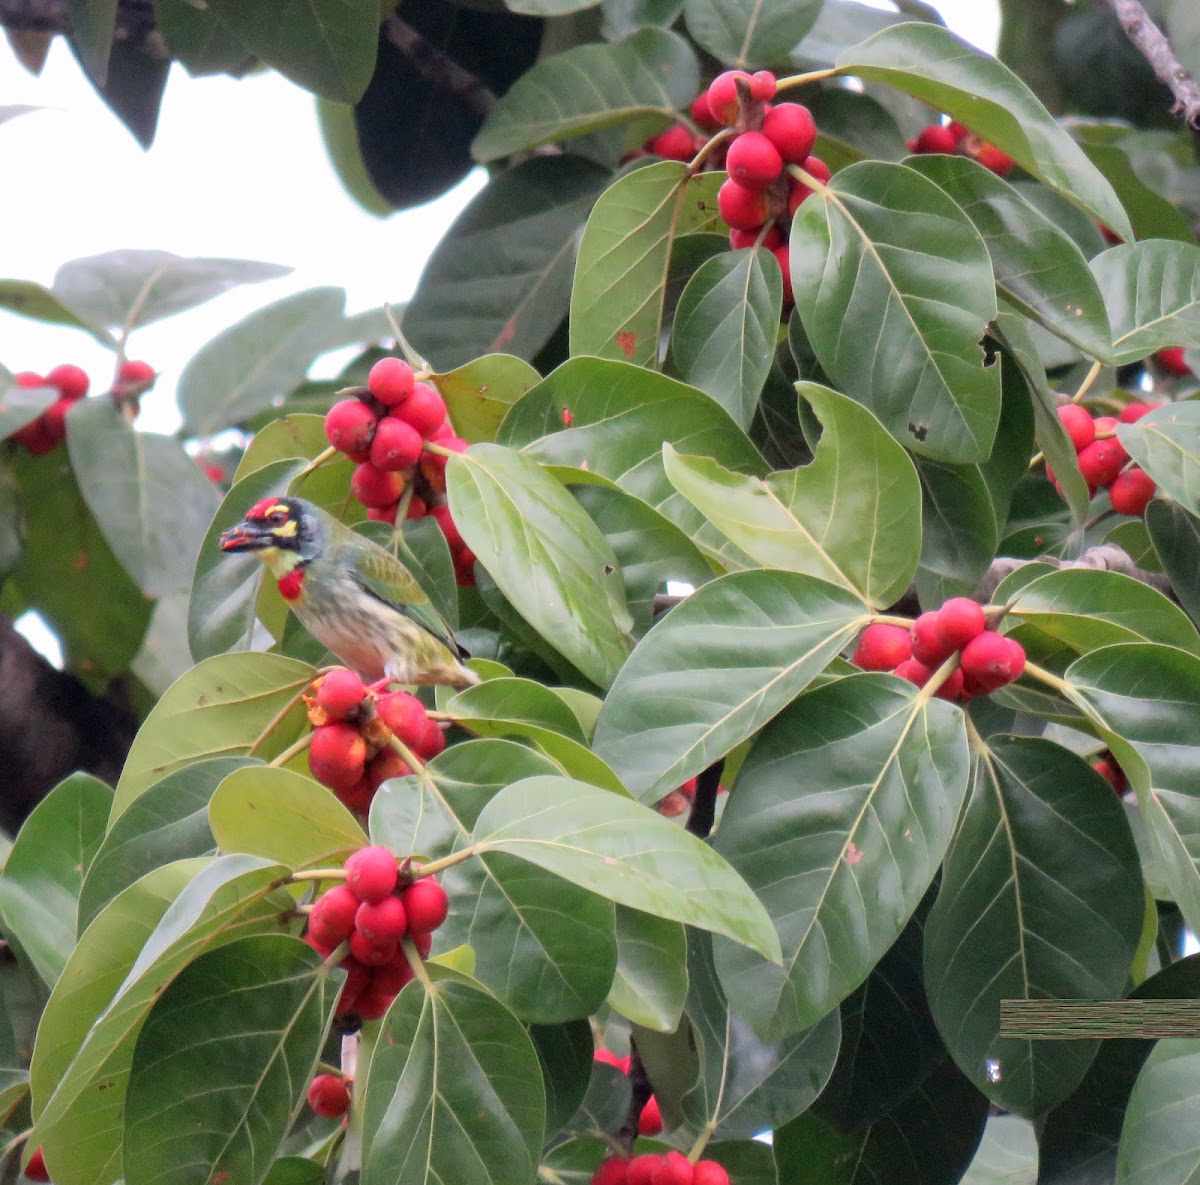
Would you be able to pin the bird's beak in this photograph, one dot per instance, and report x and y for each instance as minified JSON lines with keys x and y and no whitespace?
{"x":247,"y":536}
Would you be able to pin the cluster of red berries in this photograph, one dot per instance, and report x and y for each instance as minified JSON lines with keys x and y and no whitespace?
{"x":650,"y":1120}
{"x":329,"y":1095}
{"x":1106,"y":766}
{"x":49,"y":430}
{"x":36,"y":1169}
{"x":1172,"y":359}
{"x":987,"y":660}
{"x":372,"y":911}
{"x":352,"y":726}
{"x":651,"y":1168}
{"x":1102,"y":458}
{"x":952,"y":139}
{"x":384,"y":427}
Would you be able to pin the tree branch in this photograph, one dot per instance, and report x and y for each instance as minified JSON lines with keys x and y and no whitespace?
{"x":1156,"y":49}
{"x":439,"y":68}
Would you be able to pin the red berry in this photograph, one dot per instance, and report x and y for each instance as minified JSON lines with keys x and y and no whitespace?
{"x":1101,"y":462}
{"x":990,"y":661}
{"x":958,"y":621}
{"x":927,"y":643}
{"x":432,"y":742}
{"x":762,"y":86}
{"x":740,"y":239}
{"x":800,"y":192}
{"x":390,"y":380}
{"x":381,"y":921}
{"x":753,"y":161}
{"x":337,"y":755}
{"x":392,"y":977}
{"x":745,"y":209}
{"x":329,"y":1095}
{"x":371,"y":873}
{"x":1132,"y":491}
{"x":444,"y":519}
{"x":992,"y":158}
{"x":702,"y":114}
{"x":357,"y":797}
{"x":386,"y":514}
{"x":914,"y":671}
{"x":641,"y":1168}
{"x":36,"y":1169}
{"x":28,"y":380}
{"x":1171,"y":359}
{"x":424,"y":410}
{"x":612,"y":1171}
{"x":384,"y":765}
{"x":426,"y":905}
{"x":783,"y":256}
{"x":936,"y":138}
{"x":396,"y":446}
{"x":1078,"y":422}
{"x":71,"y":381}
{"x":134,"y":370}
{"x":340,"y":692}
{"x":350,"y":426}
{"x":607,"y":1057}
{"x":1112,"y":773}
{"x":882,"y":647}
{"x":723,"y":96}
{"x":673,"y":144}
{"x":423,"y":941}
{"x":376,"y":487}
{"x":464,"y":569}
{"x":793,"y":131}
{"x":673,"y":1169}
{"x":405,"y":715}
{"x":55,"y":419}
{"x":952,"y":688}
{"x":35,"y":437}
{"x":374,"y":1002}
{"x":332,"y":919}
{"x":1132,"y":412}
{"x":650,"y":1120}
{"x":417,"y":507}
{"x":371,"y":952}
{"x":357,"y":978}
{"x":708,"y":1172}
{"x":688,"y":788}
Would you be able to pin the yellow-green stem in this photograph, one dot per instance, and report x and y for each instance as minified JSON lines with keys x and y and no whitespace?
{"x":318,"y":874}
{"x":698,"y":159}
{"x":1049,"y":678}
{"x":1088,"y":379}
{"x":297,"y":746}
{"x":793,"y":80}
{"x":888,"y":619}
{"x":337,"y":955}
{"x":278,"y":719}
{"x":410,"y":758}
{"x":937,"y":679}
{"x":416,"y":962}
{"x":313,"y":465}
{"x":436,"y":866}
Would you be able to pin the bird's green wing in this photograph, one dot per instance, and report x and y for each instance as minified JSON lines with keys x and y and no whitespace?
{"x":386,"y":577}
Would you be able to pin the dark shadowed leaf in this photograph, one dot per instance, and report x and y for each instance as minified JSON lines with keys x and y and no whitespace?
{"x":1175,"y":533}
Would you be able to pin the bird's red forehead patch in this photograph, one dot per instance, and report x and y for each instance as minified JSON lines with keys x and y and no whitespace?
{"x":261,"y":509}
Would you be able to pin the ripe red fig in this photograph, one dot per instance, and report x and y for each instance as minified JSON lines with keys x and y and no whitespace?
{"x":882,"y":647}
{"x":390,"y":380}
{"x":371,"y":873}
{"x":991,"y":661}
{"x":958,"y":621}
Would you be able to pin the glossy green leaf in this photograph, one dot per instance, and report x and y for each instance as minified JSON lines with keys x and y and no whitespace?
{"x":652,"y":978}
{"x":282,"y":816}
{"x":649,"y":72}
{"x":454,"y":1091}
{"x":93,"y":23}
{"x":231,"y":704}
{"x":1151,"y":213}
{"x":242,"y":369}
{"x":290,"y":438}
{"x":1166,"y":443}
{"x":1158,"y":1141}
{"x":851,"y":517}
{"x":715,"y":669}
{"x":726,"y":322}
{"x":565,"y":1052}
{"x":20,"y":405}
{"x":28,"y":299}
{"x":618,"y":298}
{"x":1041,"y":898}
{"x":479,"y":393}
{"x":40,"y":884}
{"x":932,"y":64}
{"x":500,"y":279}
{"x":863,"y":249}
{"x":1175,"y":533}
{"x":626,"y":853}
{"x":548,"y":558}
{"x":151,"y":500}
{"x":750,"y":33}
{"x":197,"y":39}
{"x":295,"y":1170}
{"x":843,"y":812}
{"x":125,"y":289}
{"x":1152,"y":292}
{"x":1038,"y":268}
{"x":618,"y":18}
{"x":1007,"y":1154}
{"x":252,"y":1012}
{"x":167,"y":823}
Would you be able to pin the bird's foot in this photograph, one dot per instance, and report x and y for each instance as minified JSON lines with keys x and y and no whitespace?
{"x":380,"y":685}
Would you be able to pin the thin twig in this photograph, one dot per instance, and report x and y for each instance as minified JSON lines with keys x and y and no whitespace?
{"x":1156,"y":49}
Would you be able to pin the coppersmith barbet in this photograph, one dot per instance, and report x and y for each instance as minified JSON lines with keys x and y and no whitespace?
{"x":352,"y":595}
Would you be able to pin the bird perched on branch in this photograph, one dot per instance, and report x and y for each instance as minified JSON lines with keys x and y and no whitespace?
{"x":354,"y":597}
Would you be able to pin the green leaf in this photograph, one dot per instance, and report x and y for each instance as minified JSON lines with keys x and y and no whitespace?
{"x":167,"y":823}
{"x":454,"y":1091}
{"x":652,"y":977}
{"x":1158,"y":1140}
{"x":500,"y":279}
{"x":1152,"y":292}
{"x":932,"y":64}
{"x":548,"y":558}
{"x":715,"y":669}
{"x":125,"y":289}
{"x":851,"y":517}
{"x":1152,"y":215}
{"x":325,"y":46}
{"x":149,"y":497}
{"x":620,"y":17}
{"x":252,"y":1014}
{"x":1007,"y":1154}
{"x":28,"y":299}
{"x":751,"y":33}
{"x":565,"y":1053}
{"x":294,"y":1170}
{"x":479,"y":393}
{"x":1175,"y":533}
{"x":78,"y":1114}
{"x":1044,"y":877}
{"x":626,"y":853}
{"x":1038,"y":268}
{"x":282,"y":816}
{"x":40,"y":884}
{"x":726,"y":322}
{"x":21,"y":405}
{"x":618,"y":298}
{"x":1164,"y":443}
{"x":242,"y":369}
{"x":198,"y":40}
{"x":863,"y":249}
{"x":649,"y":72}
{"x":93,"y":23}
{"x":231,"y":704}
{"x":843,"y":812}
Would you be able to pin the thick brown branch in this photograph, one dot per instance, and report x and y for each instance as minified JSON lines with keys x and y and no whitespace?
{"x":438,"y":68}
{"x":1156,"y":49}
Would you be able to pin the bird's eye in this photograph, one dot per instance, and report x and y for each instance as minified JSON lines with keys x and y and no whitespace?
{"x":277,"y":519}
